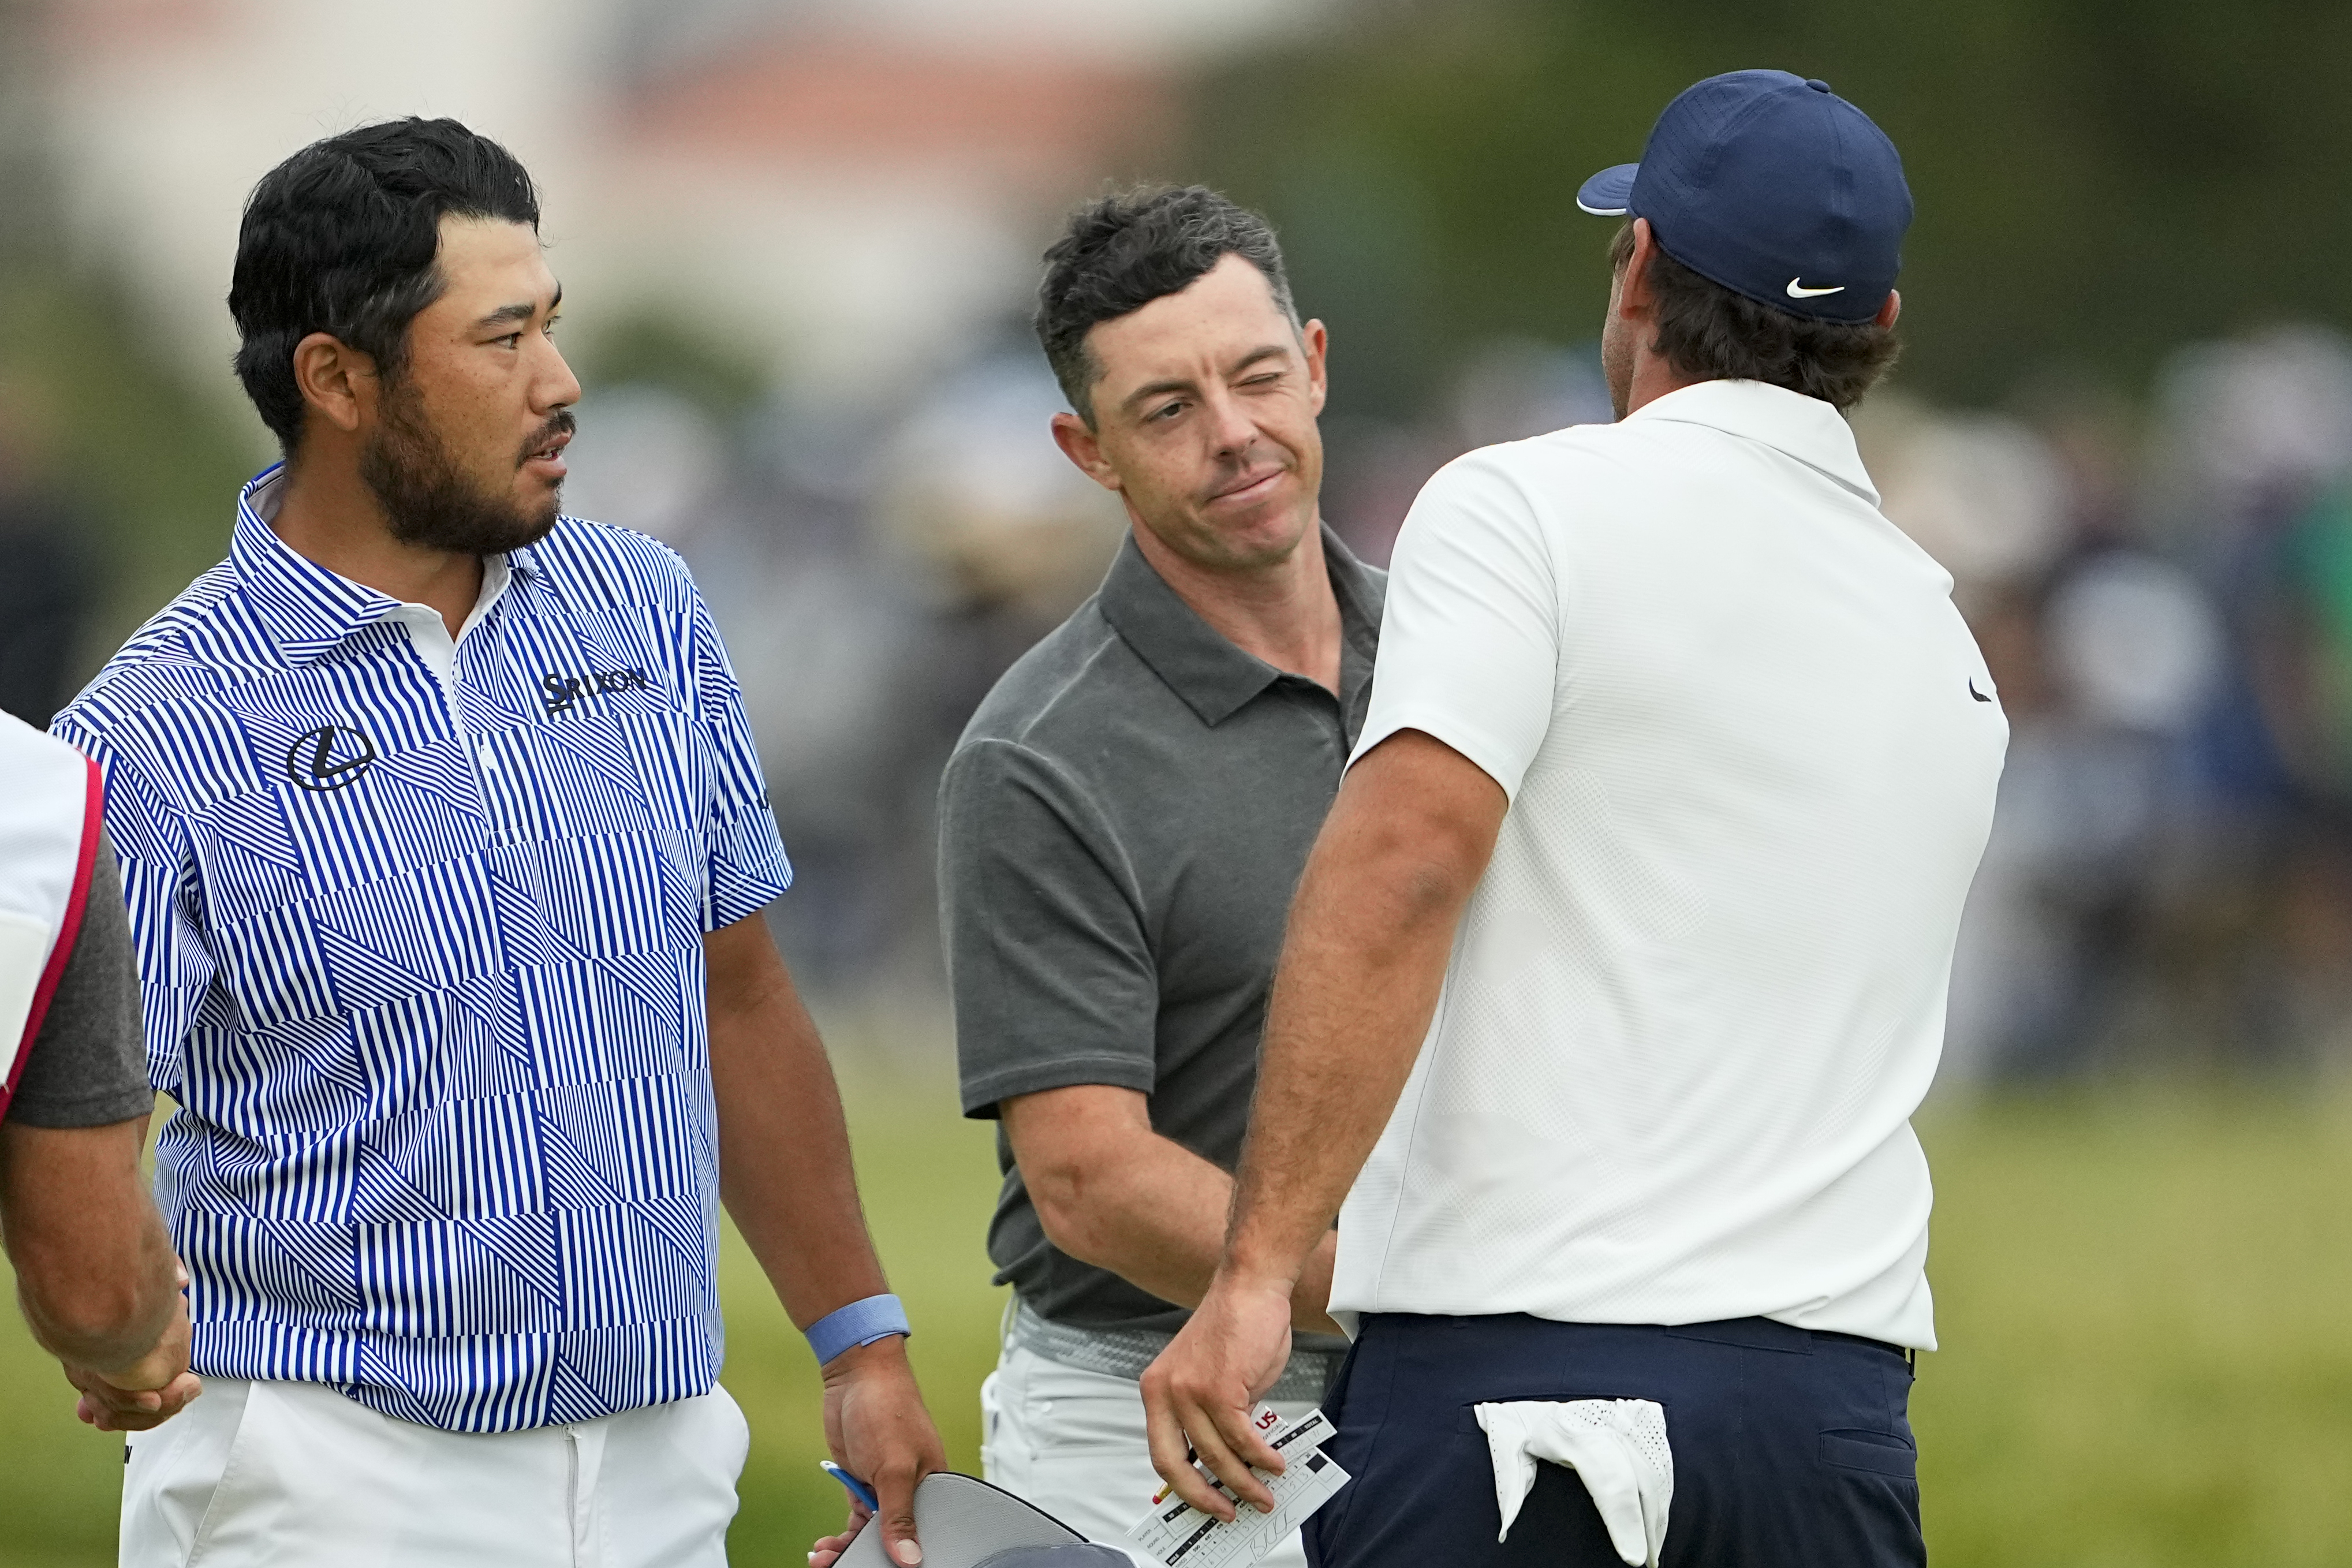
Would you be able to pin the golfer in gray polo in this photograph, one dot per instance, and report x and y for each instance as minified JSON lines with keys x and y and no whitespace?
{"x":1123,"y":825}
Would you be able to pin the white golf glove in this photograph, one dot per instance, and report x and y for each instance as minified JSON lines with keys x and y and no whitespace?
{"x":1617,"y":1446}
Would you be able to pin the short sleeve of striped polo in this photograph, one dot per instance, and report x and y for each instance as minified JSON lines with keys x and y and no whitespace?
{"x":749,"y":869}
{"x":158,"y":874}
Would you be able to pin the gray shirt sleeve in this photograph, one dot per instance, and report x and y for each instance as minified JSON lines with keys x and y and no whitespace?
{"x":1049,"y":962}
{"x":88,"y":1067}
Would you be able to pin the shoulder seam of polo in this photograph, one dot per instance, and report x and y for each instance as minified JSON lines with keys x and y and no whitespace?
{"x":1104,"y":641}
{"x":638,"y":563}
{"x":1109,"y":643}
{"x":160,"y":640}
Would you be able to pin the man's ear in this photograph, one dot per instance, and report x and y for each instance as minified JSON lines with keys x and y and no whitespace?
{"x":1892,"y":308}
{"x":1316,"y":339}
{"x":338,"y":381}
{"x":1084,"y":448}
{"x":1633,"y":295}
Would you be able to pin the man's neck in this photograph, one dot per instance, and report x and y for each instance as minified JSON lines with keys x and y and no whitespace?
{"x":326,"y":514}
{"x":1655,"y":377}
{"x":1284,"y":614}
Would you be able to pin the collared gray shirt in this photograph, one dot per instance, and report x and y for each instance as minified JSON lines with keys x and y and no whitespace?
{"x":1121,"y":828}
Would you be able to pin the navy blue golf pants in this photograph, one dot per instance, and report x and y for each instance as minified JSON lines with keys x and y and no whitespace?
{"x":1792,"y":1450}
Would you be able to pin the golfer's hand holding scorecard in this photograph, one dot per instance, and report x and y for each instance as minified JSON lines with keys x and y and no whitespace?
{"x":1619,"y":968}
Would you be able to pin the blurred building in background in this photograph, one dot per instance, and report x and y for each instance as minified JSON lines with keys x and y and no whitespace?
{"x":799,"y":239}
{"x":797,"y":242}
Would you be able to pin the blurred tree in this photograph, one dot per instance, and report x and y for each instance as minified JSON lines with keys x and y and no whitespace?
{"x":2097,"y":180}
{"x":647,"y":347}
{"x":117,"y":480}
{"x":146,"y":467}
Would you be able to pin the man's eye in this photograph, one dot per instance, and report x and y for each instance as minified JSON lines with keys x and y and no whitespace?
{"x":1165,"y":411}
{"x":512,"y":339}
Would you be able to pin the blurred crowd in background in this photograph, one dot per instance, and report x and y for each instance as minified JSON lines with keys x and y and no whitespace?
{"x":823,"y":395}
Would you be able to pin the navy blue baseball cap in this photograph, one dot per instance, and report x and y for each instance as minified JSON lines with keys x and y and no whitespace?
{"x":1774,"y":186}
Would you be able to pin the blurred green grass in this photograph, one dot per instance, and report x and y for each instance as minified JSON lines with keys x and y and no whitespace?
{"x":2144,"y":1297}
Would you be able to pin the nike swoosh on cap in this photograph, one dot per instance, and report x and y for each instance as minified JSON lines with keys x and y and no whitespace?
{"x":1797,"y":289}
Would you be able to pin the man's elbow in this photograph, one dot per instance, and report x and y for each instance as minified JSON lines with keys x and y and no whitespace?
{"x":1414,"y":828}
{"x":102,"y":1322}
{"x":1061,"y":1193}
{"x":1422,"y":865}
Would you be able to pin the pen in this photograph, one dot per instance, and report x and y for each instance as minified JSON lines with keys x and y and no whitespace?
{"x":858,"y":1489}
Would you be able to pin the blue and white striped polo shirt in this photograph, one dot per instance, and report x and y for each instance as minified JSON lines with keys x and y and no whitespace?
{"x":422,"y":956}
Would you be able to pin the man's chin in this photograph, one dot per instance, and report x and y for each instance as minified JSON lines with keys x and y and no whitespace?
{"x":479,"y":533}
{"x":534,"y":519}
{"x":1254,"y":543}
{"x":542,"y":520}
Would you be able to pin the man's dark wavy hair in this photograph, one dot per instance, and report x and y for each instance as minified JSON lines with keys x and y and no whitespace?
{"x":1712,"y":333}
{"x":1123,"y":251}
{"x":341,"y":239}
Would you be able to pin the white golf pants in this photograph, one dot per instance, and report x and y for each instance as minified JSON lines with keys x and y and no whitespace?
{"x":293,"y":1475}
{"x":1072,"y":1442}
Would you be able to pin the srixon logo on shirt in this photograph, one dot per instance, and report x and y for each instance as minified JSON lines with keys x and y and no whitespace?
{"x":561,"y":691}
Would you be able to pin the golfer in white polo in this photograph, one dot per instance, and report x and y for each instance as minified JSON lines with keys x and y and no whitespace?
{"x":1620,"y":966}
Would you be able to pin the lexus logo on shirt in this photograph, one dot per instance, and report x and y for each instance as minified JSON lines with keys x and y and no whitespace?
{"x":330,"y":758}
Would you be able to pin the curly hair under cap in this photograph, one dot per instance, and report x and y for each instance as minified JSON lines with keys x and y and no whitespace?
{"x":1711,"y":333}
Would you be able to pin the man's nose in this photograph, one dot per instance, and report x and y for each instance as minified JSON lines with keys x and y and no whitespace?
{"x":1233,"y":431}
{"x":555,"y":386}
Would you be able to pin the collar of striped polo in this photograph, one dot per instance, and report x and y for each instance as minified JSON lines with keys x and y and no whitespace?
{"x":307,"y":609}
{"x":1214,"y":678}
{"x":1806,"y":428}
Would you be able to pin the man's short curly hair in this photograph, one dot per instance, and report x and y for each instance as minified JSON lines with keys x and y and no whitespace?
{"x":1123,"y":251}
{"x":1710,"y":332}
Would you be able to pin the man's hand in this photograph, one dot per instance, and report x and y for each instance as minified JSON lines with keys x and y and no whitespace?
{"x":1361,"y":967}
{"x":1197,"y":1397}
{"x":146,"y":1394}
{"x":878,"y":1430}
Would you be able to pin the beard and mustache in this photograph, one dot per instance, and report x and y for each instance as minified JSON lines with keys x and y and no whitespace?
{"x":431,"y":502}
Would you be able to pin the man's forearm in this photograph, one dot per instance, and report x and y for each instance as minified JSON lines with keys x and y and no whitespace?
{"x":783,"y":1144}
{"x":1146,"y":1208}
{"x":94,"y":1267}
{"x":1122,"y":1197}
{"x":1171,"y":1247}
{"x":1370,"y":932}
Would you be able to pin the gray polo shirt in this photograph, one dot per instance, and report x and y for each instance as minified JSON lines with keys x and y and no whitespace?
{"x":1121,"y":828}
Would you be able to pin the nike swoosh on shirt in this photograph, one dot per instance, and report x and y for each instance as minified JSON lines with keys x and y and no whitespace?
{"x":1797,"y":289}
{"x":1974,"y":692}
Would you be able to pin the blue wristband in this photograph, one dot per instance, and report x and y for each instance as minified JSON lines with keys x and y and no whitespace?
{"x":859,"y":1323}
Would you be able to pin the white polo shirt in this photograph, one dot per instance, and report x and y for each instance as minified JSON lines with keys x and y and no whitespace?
{"x":1750,"y":750}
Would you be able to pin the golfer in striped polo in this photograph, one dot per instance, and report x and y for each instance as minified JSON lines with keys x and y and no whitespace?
{"x":445,"y":848}
{"x":1618,"y":969}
